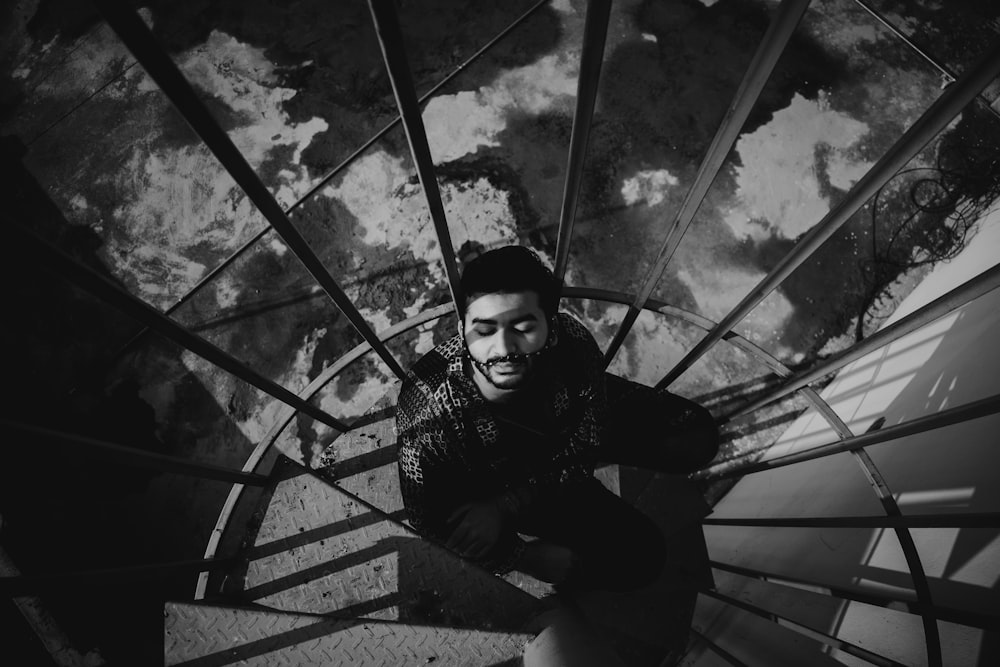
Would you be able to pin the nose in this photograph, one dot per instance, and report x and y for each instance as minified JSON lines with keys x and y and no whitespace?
{"x":504,"y":343}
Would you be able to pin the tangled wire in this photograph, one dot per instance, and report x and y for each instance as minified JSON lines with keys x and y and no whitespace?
{"x":928,"y":222}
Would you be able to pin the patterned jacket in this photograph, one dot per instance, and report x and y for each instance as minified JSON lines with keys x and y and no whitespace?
{"x":454,"y":448}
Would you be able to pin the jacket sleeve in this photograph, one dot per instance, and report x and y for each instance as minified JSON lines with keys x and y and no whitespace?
{"x":432,"y":478}
{"x":426,"y":467}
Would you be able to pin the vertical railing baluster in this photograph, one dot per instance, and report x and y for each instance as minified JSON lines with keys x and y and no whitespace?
{"x":780,"y":30}
{"x":937,"y":117}
{"x":143,"y":45}
{"x":595,"y":32}
{"x":390,"y":39}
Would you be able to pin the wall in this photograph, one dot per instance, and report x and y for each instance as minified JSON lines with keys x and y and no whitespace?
{"x":954,"y":469}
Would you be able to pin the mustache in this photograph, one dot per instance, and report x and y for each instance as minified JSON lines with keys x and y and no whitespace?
{"x":509,"y":358}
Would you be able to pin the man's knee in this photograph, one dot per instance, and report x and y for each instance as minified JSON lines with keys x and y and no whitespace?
{"x":702,"y":439}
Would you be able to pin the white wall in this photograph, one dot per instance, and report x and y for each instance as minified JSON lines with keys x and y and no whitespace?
{"x":954,"y":469}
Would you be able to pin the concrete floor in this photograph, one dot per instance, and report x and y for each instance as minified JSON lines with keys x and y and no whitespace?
{"x":114,"y":175}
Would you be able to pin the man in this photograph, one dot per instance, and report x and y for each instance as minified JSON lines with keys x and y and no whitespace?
{"x":500,"y":429}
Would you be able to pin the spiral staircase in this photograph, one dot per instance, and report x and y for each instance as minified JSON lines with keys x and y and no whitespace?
{"x":323,"y":567}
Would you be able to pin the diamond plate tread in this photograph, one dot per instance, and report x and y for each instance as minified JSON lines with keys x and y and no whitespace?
{"x":319,"y":551}
{"x":198,"y":635}
{"x":363,"y":460}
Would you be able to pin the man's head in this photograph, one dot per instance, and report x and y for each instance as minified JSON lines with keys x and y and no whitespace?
{"x":509,"y":300}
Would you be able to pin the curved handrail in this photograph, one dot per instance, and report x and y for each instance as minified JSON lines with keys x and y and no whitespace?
{"x":891,"y":508}
{"x":287,"y":413}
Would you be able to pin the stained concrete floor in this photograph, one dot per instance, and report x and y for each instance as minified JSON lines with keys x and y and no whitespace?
{"x":112,"y":173}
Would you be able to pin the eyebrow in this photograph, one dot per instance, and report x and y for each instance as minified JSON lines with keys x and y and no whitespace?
{"x":517,"y":320}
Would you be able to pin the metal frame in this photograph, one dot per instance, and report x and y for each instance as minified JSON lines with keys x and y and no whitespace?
{"x":595,"y":32}
{"x":804,"y":630}
{"x":962,"y":413}
{"x":127,"y":455}
{"x":29,"y":584}
{"x":949,"y":520}
{"x":718,"y":650}
{"x":103,"y":288}
{"x":390,"y":39}
{"x":956,"y":298}
{"x":909,"y":605}
{"x":349,"y":160}
{"x":945,"y":71}
{"x":931,"y":122}
{"x":780,"y":30}
{"x":140,"y":41}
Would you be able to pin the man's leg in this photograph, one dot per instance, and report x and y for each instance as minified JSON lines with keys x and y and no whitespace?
{"x":656,"y":430}
{"x":613,"y":545}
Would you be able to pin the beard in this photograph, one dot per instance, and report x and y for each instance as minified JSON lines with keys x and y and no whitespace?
{"x":513,"y":371}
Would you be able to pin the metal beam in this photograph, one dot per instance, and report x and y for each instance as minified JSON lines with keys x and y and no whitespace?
{"x":595,"y":31}
{"x":88,"y":279}
{"x":284,"y":417}
{"x":718,"y":650}
{"x":70,"y":582}
{"x":95,"y":448}
{"x":140,"y":41}
{"x":780,"y":30}
{"x":987,"y":622}
{"x":346,"y":162}
{"x":974,"y":410}
{"x":948,"y":520}
{"x":966,"y":292}
{"x":390,"y":39}
{"x":945,"y":71}
{"x":934,"y":120}
{"x":805,"y":630}
{"x":921,"y":586}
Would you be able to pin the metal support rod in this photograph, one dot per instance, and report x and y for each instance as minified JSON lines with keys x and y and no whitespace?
{"x":949,"y":520}
{"x":934,"y":120}
{"x":69,"y":582}
{"x":966,"y":292}
{"x":390,"y":39}
{"x":595,"y":31}
{"x":346,"y":162}
{"x":974,"y":410}
{"x":945,"y":71}
{"x":95,"y":448}
{"x":101,"y":287}
{"x":285,"y":416}
{"x":805,"y":630}
{"x":780,"y":30}
{"x":718,"y":650}
{"x":140,"y":41}
{"x":921,"y":586}
{"x":732,"y":337}
{"x":972,"y":619}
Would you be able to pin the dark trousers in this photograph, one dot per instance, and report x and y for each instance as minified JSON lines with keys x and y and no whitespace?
{"x":656,"y":430}
{"x":619,"y":547}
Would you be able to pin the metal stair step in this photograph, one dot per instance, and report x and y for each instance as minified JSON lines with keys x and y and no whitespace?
{"x":319,"y":550}
{"x":203,"y":635}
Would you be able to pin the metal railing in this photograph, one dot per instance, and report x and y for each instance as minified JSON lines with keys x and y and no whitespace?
{"x":966,"y":88}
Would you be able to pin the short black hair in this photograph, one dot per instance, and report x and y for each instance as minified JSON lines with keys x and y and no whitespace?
{"x":506,"y":270}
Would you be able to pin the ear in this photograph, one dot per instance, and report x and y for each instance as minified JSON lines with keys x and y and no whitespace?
{"x":553,"y":338}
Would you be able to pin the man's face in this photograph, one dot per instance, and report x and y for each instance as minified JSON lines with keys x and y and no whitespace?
{"x":499,"y":330}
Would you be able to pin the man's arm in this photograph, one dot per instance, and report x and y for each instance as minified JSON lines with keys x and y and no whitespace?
{"x":434,"y":481}
{"x":426,"y":474}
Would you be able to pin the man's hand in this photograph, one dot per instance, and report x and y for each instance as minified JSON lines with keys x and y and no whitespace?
{"x":476,"y":528}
